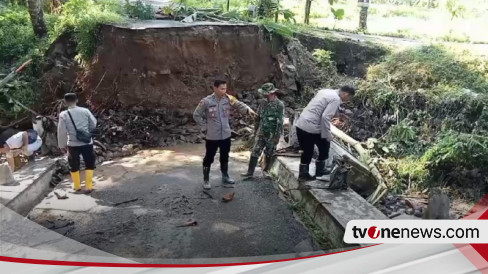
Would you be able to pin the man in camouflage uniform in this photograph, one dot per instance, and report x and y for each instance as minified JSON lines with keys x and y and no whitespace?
{"x":268,"y":128}
{"x":212,"y":115}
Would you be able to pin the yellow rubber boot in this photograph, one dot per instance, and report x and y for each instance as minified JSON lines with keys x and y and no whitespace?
{"x":76,"y":180}
{"x":89,"y":179}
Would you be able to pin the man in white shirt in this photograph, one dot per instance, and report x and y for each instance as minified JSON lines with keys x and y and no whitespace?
{"x":313,"y":128}
{"x":73,"y":119}
{"x":23,"y":142}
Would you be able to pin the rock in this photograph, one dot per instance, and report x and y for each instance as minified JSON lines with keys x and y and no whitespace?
{"x":97,"y":143}
{"x":411,"y":204}
{"x":393,"y":215}
{"x":307,"y":72}
{"x":289,"y":101}
{"x":98,"y":151}
{"x":418,"y":213}
{"x":401,"y":203}
{"x":438,"y":207}
{"x":288,"y":75}
{"x":48,"y":225}
{"x":109,"y":155}
{"x":184,"y":120}
{"x":409,"y":211}
{"x":62,"y":223}
{"x":475,"y":173}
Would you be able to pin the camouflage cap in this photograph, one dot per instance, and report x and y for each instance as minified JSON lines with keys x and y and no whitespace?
{"x":267,"y":88}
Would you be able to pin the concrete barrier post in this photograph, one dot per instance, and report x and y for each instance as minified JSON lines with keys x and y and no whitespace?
{"x":6,"y":176}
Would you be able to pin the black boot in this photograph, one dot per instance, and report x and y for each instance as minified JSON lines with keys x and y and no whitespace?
{"x":253,"y":162}
{"x":225,"y":175}
{"x":206,"y":178}
{"x":320,"y":169}
{"x":268,"y":166}
{"x":303,"y":174}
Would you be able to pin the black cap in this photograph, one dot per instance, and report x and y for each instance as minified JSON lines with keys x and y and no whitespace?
{"x":70,"y":97}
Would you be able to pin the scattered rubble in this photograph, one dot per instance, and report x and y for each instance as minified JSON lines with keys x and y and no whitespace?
{"x":228,"y":197}
{"x":422,"y":206}
{"x":61,"y":169}
{"x":394,"y":206}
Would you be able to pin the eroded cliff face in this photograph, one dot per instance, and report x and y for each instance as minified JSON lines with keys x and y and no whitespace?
{"x":174,"y":67}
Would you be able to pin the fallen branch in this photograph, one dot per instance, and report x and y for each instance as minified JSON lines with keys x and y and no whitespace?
{"x":14,"y":123}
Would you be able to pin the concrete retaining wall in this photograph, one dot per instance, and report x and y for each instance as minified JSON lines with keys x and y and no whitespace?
{"x":30,"y":186}
{"x":331,"y":210}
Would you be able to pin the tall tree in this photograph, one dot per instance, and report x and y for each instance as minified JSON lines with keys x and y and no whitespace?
{"x":363,"y":18}
{"x":37,"y":17}
{"x":308,"y":5}
{"x":363,"y":15}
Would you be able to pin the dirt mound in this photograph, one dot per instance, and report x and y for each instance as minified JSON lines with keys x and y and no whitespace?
{"x":174,"y":67}
{"x":60,"y":69}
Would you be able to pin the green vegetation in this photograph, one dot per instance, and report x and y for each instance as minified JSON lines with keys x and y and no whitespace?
{"x":139,"y":10}
{"x":427,"y":109}
{"x":317,"y":233}
{"x":18,"y":43}
{"x":84,"y":17}
{"x":16,"y":34}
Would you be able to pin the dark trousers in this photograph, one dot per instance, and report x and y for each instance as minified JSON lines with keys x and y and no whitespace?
{"x":211,"y":147}
{"x":74,"y":157}
{"x":308,"y":141}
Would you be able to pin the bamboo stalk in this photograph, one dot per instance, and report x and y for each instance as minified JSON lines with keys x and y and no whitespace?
{"x":364,"y":157}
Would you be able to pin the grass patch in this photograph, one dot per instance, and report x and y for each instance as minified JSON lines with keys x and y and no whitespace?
{"x":317,"y":233}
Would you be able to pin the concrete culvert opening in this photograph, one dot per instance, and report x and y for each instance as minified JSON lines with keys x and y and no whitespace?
{"x":144,"y":82}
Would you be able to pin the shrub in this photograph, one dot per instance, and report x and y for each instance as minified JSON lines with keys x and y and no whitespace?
{"x":428,"y":67}
{"x":139,"y":10}
{"x":455,"y":153}
{"x":85,"y":17}
{"x":17,"y":38}
{"x":441,"y":99}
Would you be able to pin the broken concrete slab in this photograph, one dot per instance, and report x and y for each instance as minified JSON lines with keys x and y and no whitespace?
{"x":330,"y":209}
{"x":31,"y":184}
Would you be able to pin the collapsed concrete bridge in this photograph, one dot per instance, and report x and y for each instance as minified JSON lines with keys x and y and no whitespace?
{"x":170,"y":65}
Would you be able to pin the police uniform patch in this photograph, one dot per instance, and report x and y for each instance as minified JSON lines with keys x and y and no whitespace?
{"x":232,"y":99}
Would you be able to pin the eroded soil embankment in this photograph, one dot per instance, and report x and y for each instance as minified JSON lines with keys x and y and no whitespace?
{"x":175,"y":67}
